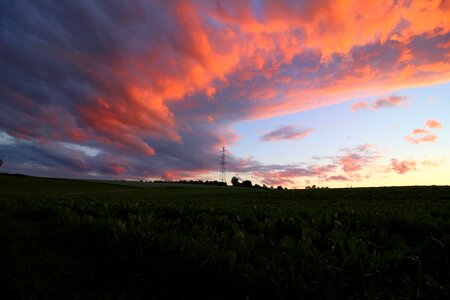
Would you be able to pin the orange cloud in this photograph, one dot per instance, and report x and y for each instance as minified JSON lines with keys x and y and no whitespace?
{"x":430,"y":138}
{"x":419,"y":131}
{"x":433,"y":124}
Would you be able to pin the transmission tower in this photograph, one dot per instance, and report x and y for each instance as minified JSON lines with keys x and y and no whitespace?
{"x":222,"y":165}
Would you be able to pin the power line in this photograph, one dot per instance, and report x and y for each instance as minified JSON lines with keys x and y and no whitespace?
{"x":222,"y":166}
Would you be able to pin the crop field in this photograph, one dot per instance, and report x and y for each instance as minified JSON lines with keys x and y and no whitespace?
{"x":64,"y":239}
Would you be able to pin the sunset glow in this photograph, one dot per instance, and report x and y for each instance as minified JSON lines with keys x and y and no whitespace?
{"x":331,"y":93}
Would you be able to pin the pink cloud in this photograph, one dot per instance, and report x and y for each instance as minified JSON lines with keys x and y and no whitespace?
{"x":359,"y":106}
{"x":273,"y":178}
{"x":419,"y":131}
{"x":354,"y":162}
{"x":287,"y":175}
{"x":391,"y":101}
{"x":286,"y":133}
{"x":433,"y":124}
{"x":114,"y":169}
{"x":357,"y":158}
{"x":351,"y":162}
{"x":430,"y":138}
{"x":402,"y":167}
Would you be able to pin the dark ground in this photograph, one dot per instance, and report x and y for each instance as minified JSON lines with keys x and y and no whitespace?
{"x":65,"y":239}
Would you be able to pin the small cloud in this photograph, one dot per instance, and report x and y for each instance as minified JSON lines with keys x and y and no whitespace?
{"x":357,"y":158}
{"x":351,"y":162}
{"x":359,"y":106}
{"x":402,"y":167}
{"x":392,"y":101}
{"x":210,"y":119}
{"x":433,"y":124}
{"x":364,"y":147}
{"x":429,"y":138}
{"x":419,"y":131}
{"x":286,"y":133}
{"x":337,"y":178}
{"x":432,"y":162}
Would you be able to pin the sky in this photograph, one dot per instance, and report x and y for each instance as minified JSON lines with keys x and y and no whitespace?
{"x":327,"y":93}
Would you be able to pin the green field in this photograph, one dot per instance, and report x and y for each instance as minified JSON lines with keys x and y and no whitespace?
{"x":64,"y":239}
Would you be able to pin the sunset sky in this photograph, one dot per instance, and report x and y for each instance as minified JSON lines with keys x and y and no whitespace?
{"x":332,"y":93}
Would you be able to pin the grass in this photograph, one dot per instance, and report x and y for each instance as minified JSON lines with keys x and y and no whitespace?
{"x":221,"y":243}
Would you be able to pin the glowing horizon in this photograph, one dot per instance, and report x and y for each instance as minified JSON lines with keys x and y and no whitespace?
{"x":331,"y":93}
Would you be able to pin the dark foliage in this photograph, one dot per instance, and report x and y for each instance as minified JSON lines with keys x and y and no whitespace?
{"x":215,"y":243}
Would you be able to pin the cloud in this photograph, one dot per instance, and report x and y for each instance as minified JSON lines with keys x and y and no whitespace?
{"x":362,"y":105}
{"x":288,"y":174}
{"x":357,"y":158}
{"x":419,"y":131}
{"x":429,"y":138}
{"x":286,"y":133}
{"x":433,"y":124}
{"x":353,"y":161}
{"x":135,"y":80}
{"x":338,"y":178}
{"x":391,"y":101}
{"x":388,"y":102}
{"x":433,"y":162}
{"x":404,"y":166}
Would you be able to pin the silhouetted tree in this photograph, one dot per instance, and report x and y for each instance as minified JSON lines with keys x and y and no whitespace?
{"x":235,"y":181}
{"x":279,"y":187}
{"x":247,"y":183}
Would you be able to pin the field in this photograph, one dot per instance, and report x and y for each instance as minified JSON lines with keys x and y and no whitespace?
{"x":92,"y":240}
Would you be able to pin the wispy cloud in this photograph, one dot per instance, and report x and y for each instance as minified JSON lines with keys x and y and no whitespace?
{"x":391,"y":101}
{"x":286,"y":133}
{"x":288,"y":175}
{"x":337,"y":178}
{"x":429,"y":138}
{"x":404,"y":166}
